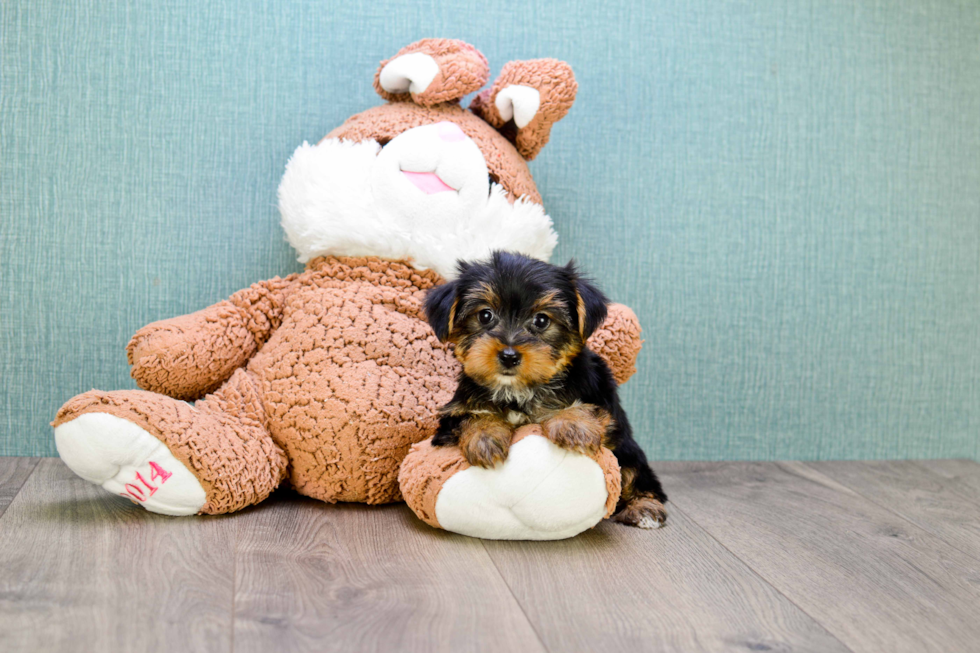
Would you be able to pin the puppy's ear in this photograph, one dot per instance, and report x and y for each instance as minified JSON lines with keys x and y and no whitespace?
{"x":590,"y":303}
{"x":440,"y":309}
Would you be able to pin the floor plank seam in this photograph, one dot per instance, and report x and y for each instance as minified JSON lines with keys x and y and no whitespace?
{"x":510,"y":589}
{"x":904,"y":518}
{"x":3,"y":510}
{"x":761,"y":578}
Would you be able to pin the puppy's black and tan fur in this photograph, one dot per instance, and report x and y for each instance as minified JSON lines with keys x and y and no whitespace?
{"x":519,"y":328}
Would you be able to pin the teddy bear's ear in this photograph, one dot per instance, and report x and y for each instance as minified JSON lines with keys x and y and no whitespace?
{"x":432,"y":71}
{"x":534,"y":94}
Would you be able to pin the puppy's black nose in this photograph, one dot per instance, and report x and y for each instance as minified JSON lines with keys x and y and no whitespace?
{"x":509,"y":357}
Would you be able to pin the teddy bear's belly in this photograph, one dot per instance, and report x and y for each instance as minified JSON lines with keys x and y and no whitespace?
{"x":349,"y":382}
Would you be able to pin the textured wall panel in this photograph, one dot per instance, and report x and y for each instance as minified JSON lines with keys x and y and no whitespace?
{"x":787,"y":193}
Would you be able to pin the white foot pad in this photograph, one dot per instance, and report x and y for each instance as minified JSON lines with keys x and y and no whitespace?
{"x":541,"y":492}
{"x":124,"y":459}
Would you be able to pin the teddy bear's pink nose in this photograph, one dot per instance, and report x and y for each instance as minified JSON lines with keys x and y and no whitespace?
{"x":449,"y":132}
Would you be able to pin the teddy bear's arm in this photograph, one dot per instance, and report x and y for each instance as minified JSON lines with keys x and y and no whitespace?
{"x":618,"y":341}
{"x":189,"y":356}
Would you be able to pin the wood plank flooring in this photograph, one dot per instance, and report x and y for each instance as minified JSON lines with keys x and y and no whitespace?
{"x":13,"y":474}
{"x":830,"y":556}
{"x":312,"y":577}
{"x":874,"y":579}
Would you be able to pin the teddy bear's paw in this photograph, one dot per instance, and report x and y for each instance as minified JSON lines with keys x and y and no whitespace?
{"x":642,"y":511}
{"x":540,"y":492}
{"x":127,"y":460}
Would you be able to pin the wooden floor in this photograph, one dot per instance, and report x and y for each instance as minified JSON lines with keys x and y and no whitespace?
{"x":838,"y":556}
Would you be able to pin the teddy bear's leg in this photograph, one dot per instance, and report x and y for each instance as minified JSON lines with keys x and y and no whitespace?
{"x":169,"y":456}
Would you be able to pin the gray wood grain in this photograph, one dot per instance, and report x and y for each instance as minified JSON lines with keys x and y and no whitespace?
{"x":617,"y":588}
{"x":928,"y":500}
{"x":876,"y":581}
{"x":318,"y":577}
{"x":83,"y":570}
{"x":757,"y":556}
{"x":964,"y":474}
{"x":13,"y":474}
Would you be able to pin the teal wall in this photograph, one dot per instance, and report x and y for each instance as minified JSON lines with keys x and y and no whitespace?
{"x":786,"y":192}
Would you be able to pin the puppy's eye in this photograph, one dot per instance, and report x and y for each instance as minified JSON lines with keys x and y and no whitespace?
{"x":485,"y":316}
{"x":541,"y":321}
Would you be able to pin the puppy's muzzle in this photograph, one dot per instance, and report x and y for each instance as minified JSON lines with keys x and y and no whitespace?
{"x":509,"y":358}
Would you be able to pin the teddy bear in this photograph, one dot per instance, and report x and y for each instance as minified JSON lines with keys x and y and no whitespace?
{"x":326,"y":378}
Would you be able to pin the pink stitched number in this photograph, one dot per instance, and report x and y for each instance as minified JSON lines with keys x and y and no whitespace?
{"x":151,"y":488}
{"x":159,"y":473}
{"x":135,"y":492}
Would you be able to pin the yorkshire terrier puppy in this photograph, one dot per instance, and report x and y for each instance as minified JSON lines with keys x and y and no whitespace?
{"x":519,"y":327}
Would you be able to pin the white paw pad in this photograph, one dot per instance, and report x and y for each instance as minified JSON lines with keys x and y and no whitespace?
{"x":126,"y":460}
{"x":648,"y":522}
{"x":541,"y":492}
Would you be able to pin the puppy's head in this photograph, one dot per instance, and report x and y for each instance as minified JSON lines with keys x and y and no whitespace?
{"x":516,"y":322}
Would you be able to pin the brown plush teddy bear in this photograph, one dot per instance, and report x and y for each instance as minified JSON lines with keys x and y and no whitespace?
{"x":327,"y":377}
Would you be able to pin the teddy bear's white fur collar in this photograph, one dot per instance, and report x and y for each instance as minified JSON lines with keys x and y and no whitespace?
{"x":328,"y":207}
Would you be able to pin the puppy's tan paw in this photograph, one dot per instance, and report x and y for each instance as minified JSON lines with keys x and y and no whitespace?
{"x":485,"y":442}
{"x":579,"y":429}
{"x":642,"y":511}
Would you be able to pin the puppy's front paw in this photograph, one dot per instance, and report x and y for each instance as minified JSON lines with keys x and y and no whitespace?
{"x":579,"y":429}
{"x":444,"y":439}
{"x":485,"y":442}
{"x":642,"y":511}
